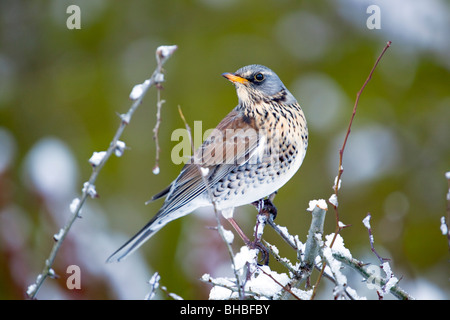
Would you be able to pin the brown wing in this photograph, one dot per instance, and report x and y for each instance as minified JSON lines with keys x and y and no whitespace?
{"x":234,"y":142}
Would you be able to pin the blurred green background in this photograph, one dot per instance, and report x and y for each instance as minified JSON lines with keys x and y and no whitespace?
{"x":61,"y":91}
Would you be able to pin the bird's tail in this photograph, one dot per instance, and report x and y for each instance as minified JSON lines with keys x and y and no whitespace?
{"x":137,"y":240}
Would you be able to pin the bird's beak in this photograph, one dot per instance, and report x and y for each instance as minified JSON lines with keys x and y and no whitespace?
{"x":234,"y":78}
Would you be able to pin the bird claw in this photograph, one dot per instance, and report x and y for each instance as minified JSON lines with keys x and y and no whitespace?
{"x":266,"y":206}
{"x":264,"y":253}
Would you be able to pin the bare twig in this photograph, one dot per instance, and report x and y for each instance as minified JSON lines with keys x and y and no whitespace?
{"x":366,"y":223}
{"x":341,"y":157}
{"x":154,"y":284}
{"x":341,"y":151}
{"x":98,"y":161}
{"x":156,"y":129}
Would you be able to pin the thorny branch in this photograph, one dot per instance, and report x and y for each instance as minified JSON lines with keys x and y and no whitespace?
{"x":98,"y":161}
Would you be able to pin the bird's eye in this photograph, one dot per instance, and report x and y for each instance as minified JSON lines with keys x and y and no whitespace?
{"x":259,"y":77}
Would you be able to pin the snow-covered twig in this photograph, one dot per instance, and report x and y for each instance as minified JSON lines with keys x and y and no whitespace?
{"x":363,"y":270}
{"x":154,"y":284}
{"x":156,"y":130}
{"x":99,"y":159}
{"x":366,"y":222}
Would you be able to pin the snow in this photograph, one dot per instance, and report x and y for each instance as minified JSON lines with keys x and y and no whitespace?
{"x":74,"y":205}
{"x":97,"y":158}
{"x":174,"y":296}
{"x":352,"y":292}
{"x":220,"y":293}
{"x":366,"y":221}
{"x":58,"y":235}
{"x":260,"y":282}
{"x":154,"y":280}
{"x":338,"y":183}
{"x":302,"y":294}
{"x":227,"y":213}
{"x":120,"y":148}
{"x":317,"y":203}
{"x":266,"y":282}
{"x":392,"y":280}
{"x":154,"y":284}
{"x":335,"y":267}
{"x":89,"y":189}
{"x":287,"y":235}
{"x":259,"y":227}
{"x":31,"y":288}
{"x":333,"y":200}
{"x":136,"y":92}
{"x":244,"y":256}
{"x":338,"y":245}
{"x":229,"y":236}
{"x":164,"y":52}
{"x":51,"y":273}
{"x":125,"y":118}
{"x":139,"y":89}
{"x":444,"y":227}
{"x":159,"y":77}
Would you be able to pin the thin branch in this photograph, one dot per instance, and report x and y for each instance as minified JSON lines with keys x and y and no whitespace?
{"x":366,"y":222}
{"x":341,"y":157}
{"x":156,"y":129}
{"x":137,"y":94}
{"x":154,"y":284}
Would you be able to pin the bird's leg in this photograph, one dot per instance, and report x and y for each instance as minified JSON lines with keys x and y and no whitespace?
{"x":261,"y":220}
{"x":251,"y":244}
{"x":266,"y":210}
{"x":239,"y":231}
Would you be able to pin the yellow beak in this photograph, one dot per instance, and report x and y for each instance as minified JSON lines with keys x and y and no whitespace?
{"x":234,"y":78}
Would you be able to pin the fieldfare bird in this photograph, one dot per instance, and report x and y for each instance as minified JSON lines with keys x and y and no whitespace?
{"x":252,"y":153}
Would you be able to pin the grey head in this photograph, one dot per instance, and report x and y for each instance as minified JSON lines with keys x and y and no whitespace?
{"x":259,"y":81}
